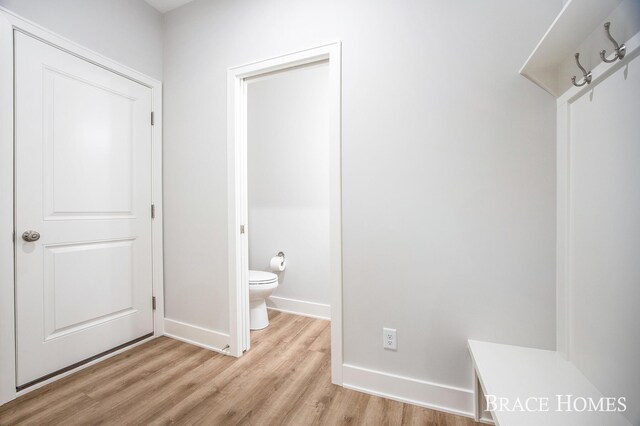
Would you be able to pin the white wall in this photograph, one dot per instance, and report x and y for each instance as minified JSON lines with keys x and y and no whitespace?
{"x":127,"y":31}
{"x":448,"y":170}
{"x":288,"y":181}
{"x":604,"y":236}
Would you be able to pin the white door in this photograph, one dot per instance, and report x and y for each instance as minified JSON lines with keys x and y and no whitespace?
{"x":83,"y":182}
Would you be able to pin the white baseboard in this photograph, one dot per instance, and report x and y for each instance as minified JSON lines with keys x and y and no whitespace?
{"x":299,"y":307}
{"x":487,"y":420}
{"x":411,"y":391}
{"x":196,"y":335}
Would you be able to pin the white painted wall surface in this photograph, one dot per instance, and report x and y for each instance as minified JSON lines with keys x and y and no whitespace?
{"x":604,"y":238}
{"x":127,"y":31}
{"x":288,"y":179}
{"x":448,"y":170}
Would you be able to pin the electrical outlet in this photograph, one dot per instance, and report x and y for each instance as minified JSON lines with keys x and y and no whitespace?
{"x":389,"y":340}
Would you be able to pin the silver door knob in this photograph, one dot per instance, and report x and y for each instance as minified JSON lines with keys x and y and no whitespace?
{"x":31,"y":236}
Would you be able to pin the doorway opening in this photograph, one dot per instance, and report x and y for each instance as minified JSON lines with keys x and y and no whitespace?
{"x":262,"y":80}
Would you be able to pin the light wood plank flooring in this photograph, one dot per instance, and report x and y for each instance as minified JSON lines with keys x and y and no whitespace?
{"x":283,"y":379}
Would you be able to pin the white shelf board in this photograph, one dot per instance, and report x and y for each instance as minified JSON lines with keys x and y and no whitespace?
{"x":574,"y":23}
{"x":516,"y":372}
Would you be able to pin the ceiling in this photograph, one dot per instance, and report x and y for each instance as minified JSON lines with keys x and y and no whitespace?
{"x":166,"y":5}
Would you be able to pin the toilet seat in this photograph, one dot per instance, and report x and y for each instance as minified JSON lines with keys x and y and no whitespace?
{"x":262,"y":278}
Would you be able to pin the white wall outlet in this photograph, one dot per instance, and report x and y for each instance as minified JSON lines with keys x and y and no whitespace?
{"x":389,"y":340}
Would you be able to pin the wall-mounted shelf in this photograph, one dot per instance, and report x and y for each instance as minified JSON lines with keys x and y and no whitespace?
{"x":576,"y":21}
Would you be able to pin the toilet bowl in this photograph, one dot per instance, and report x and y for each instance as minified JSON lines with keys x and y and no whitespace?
{"x":261,"y":285}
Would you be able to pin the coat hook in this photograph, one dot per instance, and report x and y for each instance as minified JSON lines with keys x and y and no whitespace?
{"x":585,"y":74}
{"x":619,"y":50}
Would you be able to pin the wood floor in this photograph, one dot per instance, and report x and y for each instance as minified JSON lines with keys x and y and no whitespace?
{"x":283,"y":379}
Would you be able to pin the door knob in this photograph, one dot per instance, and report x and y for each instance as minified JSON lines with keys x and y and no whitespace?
{"x":31,"y":236}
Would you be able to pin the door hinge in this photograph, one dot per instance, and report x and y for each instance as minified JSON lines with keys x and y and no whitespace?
{"x":152,"y":119}
{"x":242,"y":229}
{"x":153,"y":211}
{"x":153,"y":302}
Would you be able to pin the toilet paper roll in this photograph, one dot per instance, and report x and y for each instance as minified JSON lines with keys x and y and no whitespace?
{"x":278,"y":264}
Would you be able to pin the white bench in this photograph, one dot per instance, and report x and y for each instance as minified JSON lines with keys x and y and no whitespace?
{"x":525,"y":375}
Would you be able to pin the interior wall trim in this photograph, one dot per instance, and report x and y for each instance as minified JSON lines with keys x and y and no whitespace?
{"x":299,"y":307}
{"x":425,"y":394}
{"x":563,"y":193}
{"x":196,"y":335}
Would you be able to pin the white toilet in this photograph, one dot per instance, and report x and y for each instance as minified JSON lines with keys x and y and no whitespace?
{"x":261,"y":285}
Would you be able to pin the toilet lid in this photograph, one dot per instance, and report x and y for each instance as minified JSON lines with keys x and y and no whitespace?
{"x":262,"y":277}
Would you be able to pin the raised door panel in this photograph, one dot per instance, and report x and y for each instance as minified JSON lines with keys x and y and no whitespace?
{"x":88,"y":157}
{"x":100,"y":275}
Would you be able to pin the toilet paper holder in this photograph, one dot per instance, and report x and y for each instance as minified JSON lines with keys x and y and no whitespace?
{"x":281,"y":254}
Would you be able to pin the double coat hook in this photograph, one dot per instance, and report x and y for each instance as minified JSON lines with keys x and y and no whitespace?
{"x":619,"y":50}
{"x":586,"y":75}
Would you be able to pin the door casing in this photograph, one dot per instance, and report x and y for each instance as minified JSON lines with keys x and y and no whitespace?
{"x":9,"y":24}
{"x":237,"y":192}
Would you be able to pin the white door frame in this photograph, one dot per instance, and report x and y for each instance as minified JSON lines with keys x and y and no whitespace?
{"x":237,"y":201}
{"x":9,"y":23}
